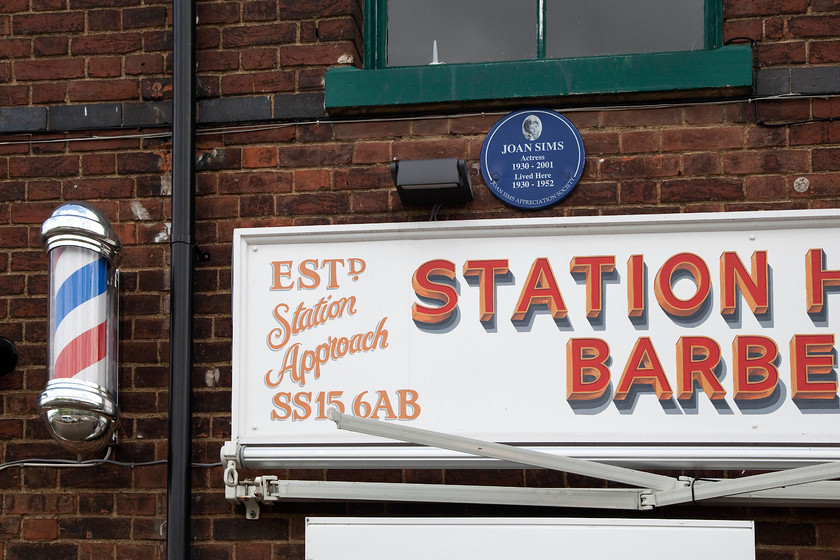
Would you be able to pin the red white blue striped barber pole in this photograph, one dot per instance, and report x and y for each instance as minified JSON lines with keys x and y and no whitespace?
{"x":80,"y":321}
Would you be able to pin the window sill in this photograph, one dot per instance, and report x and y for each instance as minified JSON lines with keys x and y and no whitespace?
{"x":726,"y":67}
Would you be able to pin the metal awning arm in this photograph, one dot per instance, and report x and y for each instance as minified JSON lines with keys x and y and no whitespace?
{"x":704,"y":490}
{"x":503,"y":452}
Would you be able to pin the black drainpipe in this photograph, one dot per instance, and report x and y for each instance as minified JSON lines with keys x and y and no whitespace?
{"x":179,"y":491}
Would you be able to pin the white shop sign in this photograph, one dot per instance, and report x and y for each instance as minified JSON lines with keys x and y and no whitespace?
{"x":683,"y":340}
{"x":501,"y":539}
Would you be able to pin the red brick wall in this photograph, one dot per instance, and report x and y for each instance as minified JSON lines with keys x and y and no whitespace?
{"x":679,"y":158}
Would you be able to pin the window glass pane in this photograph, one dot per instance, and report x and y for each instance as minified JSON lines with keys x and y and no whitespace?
{"x":465,"y":30}
{"x":605,"y":27}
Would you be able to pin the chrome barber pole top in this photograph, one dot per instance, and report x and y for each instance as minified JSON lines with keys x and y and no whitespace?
{"x":79,"y":404}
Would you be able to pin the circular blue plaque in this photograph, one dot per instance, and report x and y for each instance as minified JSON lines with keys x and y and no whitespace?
{"x":532,"y":159}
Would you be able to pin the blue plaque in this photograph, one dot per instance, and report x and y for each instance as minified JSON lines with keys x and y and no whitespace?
{"x":532,"y":159}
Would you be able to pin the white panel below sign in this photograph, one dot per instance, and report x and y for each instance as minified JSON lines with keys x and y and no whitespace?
{"x":503,"y":539}
{"x":673,"y":340}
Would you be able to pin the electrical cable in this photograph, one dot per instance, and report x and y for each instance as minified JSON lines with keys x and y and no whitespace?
{"x":59,"y":463}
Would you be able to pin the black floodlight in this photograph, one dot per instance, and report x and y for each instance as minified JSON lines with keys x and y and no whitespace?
{"x":431,"y":182}
{"x":8,"y":356}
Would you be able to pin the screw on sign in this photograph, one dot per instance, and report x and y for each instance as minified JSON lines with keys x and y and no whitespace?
{"x":79,"y":402}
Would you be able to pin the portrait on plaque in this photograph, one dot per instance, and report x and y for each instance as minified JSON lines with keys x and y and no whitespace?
{"x":532,"y":158}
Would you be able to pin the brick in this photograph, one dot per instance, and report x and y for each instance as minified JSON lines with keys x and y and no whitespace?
{"x":260,"y":156}
{"x":749,"y":28}
{"x":44,"y":166}
{"x":217,"y":61}
{"x":157,"y":41}
{"x":315,"y":156}
{"x":50,"y":46}
{"x":256,"y":205}
{"x":36,"y":24}
{"x":371,"y":201}
{"x":145,"y":114}
{"x":14,"y":95}
{"x":148,"y":16}
{"x":217,"y":12}
{"x":363,"y":178}
{"x":259,"y":59}
{"x":703,"y":138}
{"x":320,"y":9}
{"x":698,"y":190}
{"x":144,"y":64}
{"x":104,"y":67}
{"x":218,"y":159}
{"x":81,"y":117}
{"x":827,"y":159}
{"x":133,"y":551}
{"x":39,"y":504}
{"x":49,"y":93}
{"x":104,"y":20}
{"x":371,"y":152}
{"x":15,"y":48}
{"x":329,"y":54}
{"x":702,"y":164}
{"x":815,"y":80}
{"x":40,"y":529}
{"x":781,"y":53}
{"x":236,"y":109}
{"x":640,"y":167}
{"x":765,"y":188}
{"x":23,"y":119}
{"x":299,"y":106}
{"x":98,"y":551}
{"x":237,"y":528}
{"x":206,"y":39}
{"x":638,"y":192}
{"x":311,"y":179}
{"x":321,"y":203}
{"x":103,"y":528}
{"x":741,"y":8}
{"x":638,"y":141}
{"x":429,"y":149}
{"x":12,"y":6}
{"x":825,"y":5}
{"x":789,"y":534}
{"x":53,"y":551}
{"x":814,"y":26}
{"x":310,"y":79}
{"x":642,"y":117}
{"x":775,"y":161}
{"x":89,"y":188}
{"x":87,"y":4}
{"x":601,"y":142}
{"x":99,"y":164}
{"x":47,"y":5}
{"x":258,"y":82}
{"x":57,"y":69}
{"x":106,"y":43}
{"x":341,"y":29}
{"x":139,"y":163}
{"x":102,"y":90}
{"x":245,"y":36}
{"x":259,"y":10}
{"x":255,"y":182}
{"x":829,"y":534}
{"x":815,"y":133}
{"x":772,"y":81}
{"x":824,"y":52}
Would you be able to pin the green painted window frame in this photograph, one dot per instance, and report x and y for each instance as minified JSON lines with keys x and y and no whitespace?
{"x":717,"y":66}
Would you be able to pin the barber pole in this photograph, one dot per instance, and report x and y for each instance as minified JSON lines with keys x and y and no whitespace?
{"x":79,"y":404}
